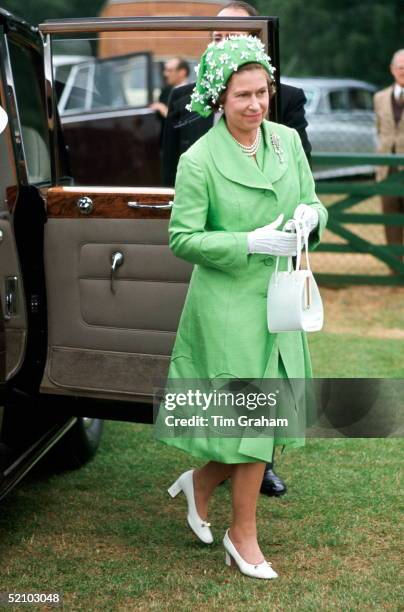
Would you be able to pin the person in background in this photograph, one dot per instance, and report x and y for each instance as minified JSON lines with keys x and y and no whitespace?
{"x":183,"y":128}
{"x":388,"y":105}
{"x":176,"y":73}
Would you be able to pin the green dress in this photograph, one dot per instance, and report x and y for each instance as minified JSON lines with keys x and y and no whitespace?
{"x":220,"y":196}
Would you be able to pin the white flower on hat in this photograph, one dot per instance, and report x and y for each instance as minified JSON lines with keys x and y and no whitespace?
{"x":216,"y":67}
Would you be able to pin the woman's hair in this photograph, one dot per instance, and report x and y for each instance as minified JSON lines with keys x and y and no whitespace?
{"x":245,"y":68}
{"x":250,"y":10}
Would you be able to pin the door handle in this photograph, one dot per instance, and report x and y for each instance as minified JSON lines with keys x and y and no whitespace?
{"x":11,"y":293}
{"x":116,"y":262}
{"x":151,"y":205}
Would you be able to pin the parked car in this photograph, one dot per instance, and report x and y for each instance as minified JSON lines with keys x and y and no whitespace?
{"x":90,"y":293}
{"x":341,"y":119}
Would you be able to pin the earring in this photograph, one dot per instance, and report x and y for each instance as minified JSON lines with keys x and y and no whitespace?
{"x":220,"y":109}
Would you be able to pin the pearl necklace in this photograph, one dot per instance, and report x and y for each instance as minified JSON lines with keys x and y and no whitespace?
{"x":251,"y":149}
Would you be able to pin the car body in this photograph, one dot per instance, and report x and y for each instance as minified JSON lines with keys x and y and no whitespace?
{"x":91,"y":294}
{"x":340,"y":117}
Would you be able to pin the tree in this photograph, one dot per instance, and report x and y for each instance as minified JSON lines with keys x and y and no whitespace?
{"x":337,"y":38}
{"x":341,"y":38}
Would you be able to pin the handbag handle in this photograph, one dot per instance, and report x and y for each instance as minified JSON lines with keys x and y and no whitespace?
{"x":301,"y":233}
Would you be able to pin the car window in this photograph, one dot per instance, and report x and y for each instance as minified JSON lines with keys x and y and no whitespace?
{"x":121,"y":81}
{"x":77,"y":89}
{"x":27,"y":70}
{"x":311,"y":99}
{"x":112,"y":132}
{"x":110,"y":84}
{"x":360,"y":99}
{"x":339,"y":100}
{"x":114,"y":104}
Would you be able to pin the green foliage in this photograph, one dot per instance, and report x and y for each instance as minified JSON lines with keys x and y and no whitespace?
{"x":337,"y":38}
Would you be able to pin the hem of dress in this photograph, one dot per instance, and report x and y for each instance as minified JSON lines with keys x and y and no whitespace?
{"x":241,"y":457}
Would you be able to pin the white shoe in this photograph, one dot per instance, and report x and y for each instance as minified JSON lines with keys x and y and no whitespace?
{"x":262,"y":570}
{"x":186,"y":485}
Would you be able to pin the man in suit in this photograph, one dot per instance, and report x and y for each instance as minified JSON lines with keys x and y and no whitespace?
{"x":389,"y":104}
{"x":183,"y":128}
{"x":176,"y":73}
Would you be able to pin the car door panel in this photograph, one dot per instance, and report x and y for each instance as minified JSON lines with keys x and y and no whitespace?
{"x":12,"y":300}
{"x":14,"y":319}
{"x":115,"y":340}
{"x":112,"y":338}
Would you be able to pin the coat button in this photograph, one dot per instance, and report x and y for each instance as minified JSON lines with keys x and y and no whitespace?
{"x":269,"y":261}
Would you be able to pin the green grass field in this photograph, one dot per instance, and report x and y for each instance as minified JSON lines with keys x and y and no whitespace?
{"x":109,"y":538}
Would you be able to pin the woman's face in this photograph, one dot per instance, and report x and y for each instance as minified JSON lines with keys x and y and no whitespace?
{"x":247,"y":100}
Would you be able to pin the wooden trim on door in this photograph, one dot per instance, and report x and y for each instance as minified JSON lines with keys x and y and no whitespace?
{"x":108,"y":202}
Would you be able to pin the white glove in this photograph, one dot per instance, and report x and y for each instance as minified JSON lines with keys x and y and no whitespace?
{"x":307,"y":215}
{"x":269,"y":240}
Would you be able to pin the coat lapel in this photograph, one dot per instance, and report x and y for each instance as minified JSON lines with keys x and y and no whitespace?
{"x":233,"y":164}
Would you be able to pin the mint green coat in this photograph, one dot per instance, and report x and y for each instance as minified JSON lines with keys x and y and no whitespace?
{"x":220,"y":196}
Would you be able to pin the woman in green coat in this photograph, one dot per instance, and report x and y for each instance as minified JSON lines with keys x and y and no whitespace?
{"x":236,"y":187}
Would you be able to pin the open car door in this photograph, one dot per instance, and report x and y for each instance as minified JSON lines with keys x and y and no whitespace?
{"x":24,"y":171}
{"x":115,"y":292}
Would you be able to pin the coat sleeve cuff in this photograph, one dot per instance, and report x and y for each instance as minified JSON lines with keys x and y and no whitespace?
{"x":225,"y":249}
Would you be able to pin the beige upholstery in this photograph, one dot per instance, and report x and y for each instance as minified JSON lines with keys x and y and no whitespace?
{"x":116,"y":343}
{"x":36,"y":154}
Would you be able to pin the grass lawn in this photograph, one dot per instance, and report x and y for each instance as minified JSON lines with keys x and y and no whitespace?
{"x":109,"y":538}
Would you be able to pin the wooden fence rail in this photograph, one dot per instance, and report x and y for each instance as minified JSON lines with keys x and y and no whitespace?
{"x":342,"y":212}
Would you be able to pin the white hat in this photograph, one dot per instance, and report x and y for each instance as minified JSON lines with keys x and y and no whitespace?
{"x":3,"y":119}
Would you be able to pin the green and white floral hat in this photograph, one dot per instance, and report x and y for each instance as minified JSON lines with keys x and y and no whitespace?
{"x":218,"y":63}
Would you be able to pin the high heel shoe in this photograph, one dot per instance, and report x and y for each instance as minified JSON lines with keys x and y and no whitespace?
{"x":200,"y":527}
{"x":261,"y":570}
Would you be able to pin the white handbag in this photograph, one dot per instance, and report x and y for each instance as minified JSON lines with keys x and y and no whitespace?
{"x":294,"y":301}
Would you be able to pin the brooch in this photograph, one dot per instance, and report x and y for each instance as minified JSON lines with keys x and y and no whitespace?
{"x":276,"y":143}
